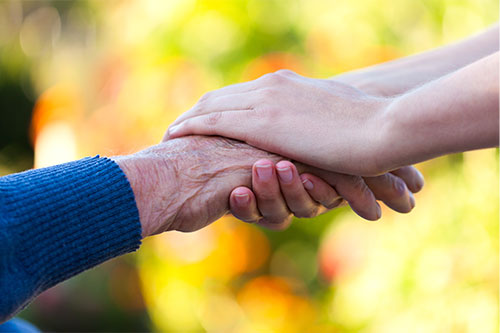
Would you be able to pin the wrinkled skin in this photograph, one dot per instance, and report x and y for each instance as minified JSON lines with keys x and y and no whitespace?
{"x":184,"y":184}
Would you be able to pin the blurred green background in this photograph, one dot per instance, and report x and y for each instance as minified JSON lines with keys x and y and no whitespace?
{"x":86,"y":77}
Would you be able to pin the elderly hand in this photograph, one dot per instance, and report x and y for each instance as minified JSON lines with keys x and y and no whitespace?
{"x":279,"y":193}
{"x":322,"y":123}
{"x":184,"y":184}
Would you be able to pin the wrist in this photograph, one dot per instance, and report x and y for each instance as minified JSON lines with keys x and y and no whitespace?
{"x":387,"y":136}
{"x":149,"y":176}
{"x":403,"y":133}
{"x":370,"y":81}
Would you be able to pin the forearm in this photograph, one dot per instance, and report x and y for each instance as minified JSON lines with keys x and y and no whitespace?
{"x":455,"y":113}
{"x":398,"y":76}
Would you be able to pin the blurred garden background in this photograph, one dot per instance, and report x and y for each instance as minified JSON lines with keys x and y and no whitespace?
{"x":80,"y":78}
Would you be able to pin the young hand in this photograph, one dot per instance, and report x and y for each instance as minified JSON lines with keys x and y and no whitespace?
{"x":336,"y":127}
{"x":322,"y":123}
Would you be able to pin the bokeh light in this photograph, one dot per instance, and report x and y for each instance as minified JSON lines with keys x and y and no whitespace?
{"x":108,"y":77}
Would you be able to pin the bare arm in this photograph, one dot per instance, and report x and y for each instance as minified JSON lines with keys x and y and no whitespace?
{"x":455,"y":113}
{"x":398,"y":76}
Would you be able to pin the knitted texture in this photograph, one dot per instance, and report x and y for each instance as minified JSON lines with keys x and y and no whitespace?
{"x":59,"y":221}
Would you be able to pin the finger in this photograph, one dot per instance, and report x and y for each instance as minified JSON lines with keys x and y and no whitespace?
{"x":225,"y":102}
{"x":321,"y":191}
{"x":243,"y":205}
{"x":236,"y":88}
{"x":243,"y":87}
{"x":393,"y":191}
{"x":288,"y":73}
{"x":354,"y":190}
{"x":204,"y":117}
{"x":231,"y":124}
{"x":232,"y":97}
{"x":296,"y":196}
{"x":270,"y":202}
{"x":359,"y":196}
{"x":411,"y":176}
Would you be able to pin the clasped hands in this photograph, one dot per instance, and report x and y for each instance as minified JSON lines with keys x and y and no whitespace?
{"x":187,"y":182}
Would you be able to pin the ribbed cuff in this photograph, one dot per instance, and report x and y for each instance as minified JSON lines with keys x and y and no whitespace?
{"x":71,"y":217}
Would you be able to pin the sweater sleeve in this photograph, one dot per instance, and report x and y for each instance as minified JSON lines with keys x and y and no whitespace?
{"x":59,"y":221}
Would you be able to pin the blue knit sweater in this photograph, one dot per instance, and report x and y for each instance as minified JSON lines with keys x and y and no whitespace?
{"x":59,"y":221}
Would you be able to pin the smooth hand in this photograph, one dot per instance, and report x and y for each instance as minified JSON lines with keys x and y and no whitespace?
{"x":336,"y":127}
{"x":322,"y":123}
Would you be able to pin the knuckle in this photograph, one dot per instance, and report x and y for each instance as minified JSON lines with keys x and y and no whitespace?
{"x":213,"y":118}
{"x":202,"y":103}
{"x":206,"y":96}
{"x":398,"y":186}
{"x":266,"y":78}
{"x":268,"y":197}
{"x":199,"y":107}
{"x":274,"y":79}
{"x":359,"y":185}
{"x":285,"y":72}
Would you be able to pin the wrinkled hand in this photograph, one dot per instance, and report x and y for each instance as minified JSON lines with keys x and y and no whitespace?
{"x":184,"y":184}
{"x":323,"y":123}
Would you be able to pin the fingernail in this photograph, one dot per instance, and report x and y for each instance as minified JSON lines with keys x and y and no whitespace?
{"x":308,"y":184}
{"x":285,"y":174}
{"x":241,"y":199}
{"x":264,"y":171}
{"x":173,"y":129}
{"x":412,"y":200}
